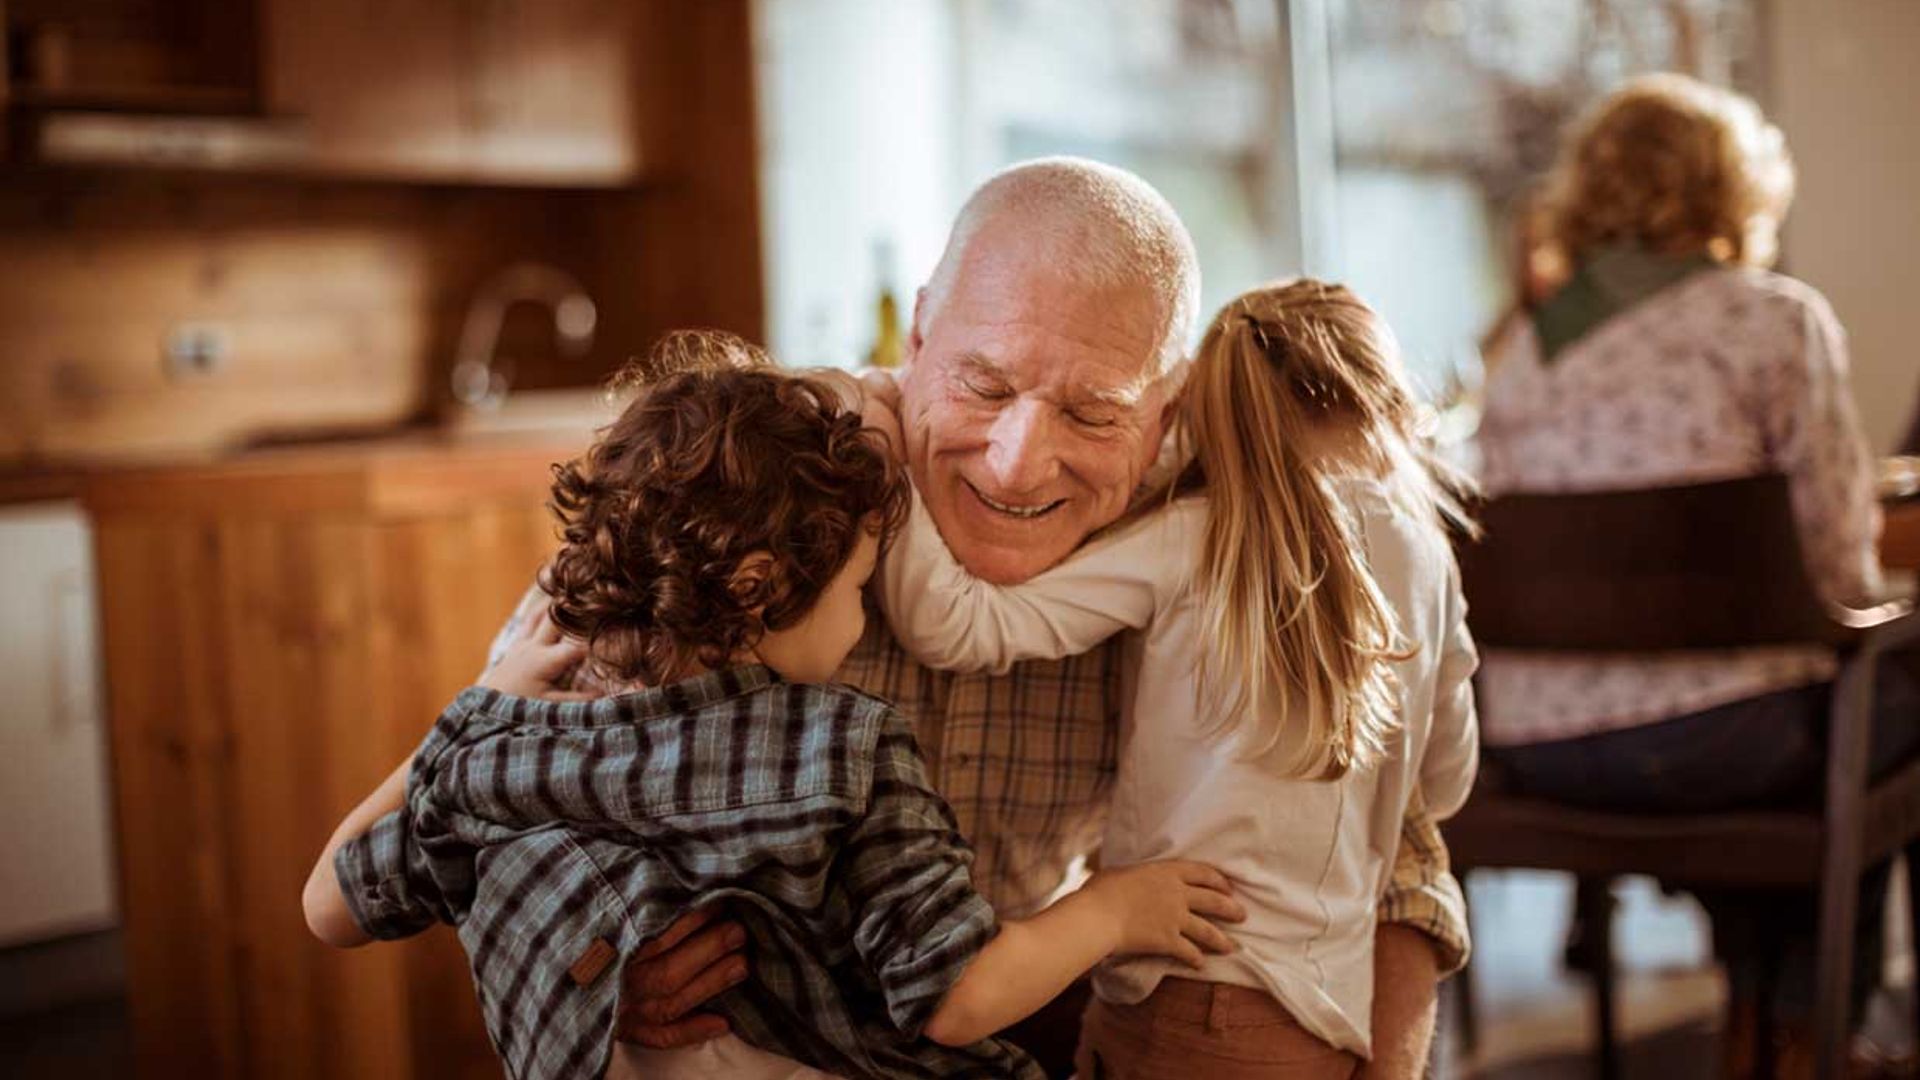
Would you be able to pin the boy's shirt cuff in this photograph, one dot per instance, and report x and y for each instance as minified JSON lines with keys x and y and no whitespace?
{"x":372,"y":873}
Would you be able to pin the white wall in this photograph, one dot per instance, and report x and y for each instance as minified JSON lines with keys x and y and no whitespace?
{"x":1846,"y":90}
{"x":857,"y":114}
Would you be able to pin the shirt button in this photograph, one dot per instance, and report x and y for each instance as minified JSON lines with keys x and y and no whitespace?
{"x":963,"y":760}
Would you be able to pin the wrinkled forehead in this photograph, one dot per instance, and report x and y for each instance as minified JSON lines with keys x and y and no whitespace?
{"x":1043,"y":327}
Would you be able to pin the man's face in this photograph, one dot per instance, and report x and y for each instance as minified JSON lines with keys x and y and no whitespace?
{"x":1030,"y":409}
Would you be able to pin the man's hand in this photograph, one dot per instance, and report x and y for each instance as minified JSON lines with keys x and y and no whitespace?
{"x":1405,"y":975}
{"x":540,"y":661}
{"x":685,"y":967}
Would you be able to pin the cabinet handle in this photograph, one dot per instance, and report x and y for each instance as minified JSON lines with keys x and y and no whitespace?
{"x":66,"y":591}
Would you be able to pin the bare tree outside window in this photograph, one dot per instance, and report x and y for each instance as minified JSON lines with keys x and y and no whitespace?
{"x":1446,"y":113}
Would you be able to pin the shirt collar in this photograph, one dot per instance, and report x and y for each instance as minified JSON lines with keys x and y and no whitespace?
{"x":637,"y":705}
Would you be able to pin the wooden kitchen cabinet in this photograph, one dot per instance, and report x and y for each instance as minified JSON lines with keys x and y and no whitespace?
{"x":553,"y":92}
{"x":508,"y":92}
{"x":279,"y":631}
{"x":489,"y":91}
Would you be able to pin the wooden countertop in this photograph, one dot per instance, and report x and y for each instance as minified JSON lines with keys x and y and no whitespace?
{"x":39,"y":483}
{"x":425,"y":473}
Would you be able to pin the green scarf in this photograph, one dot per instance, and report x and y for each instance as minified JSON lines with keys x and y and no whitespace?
{"x":1609,"y":281}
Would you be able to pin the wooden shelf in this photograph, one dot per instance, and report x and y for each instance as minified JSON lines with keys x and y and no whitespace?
{"x":139,"y":99}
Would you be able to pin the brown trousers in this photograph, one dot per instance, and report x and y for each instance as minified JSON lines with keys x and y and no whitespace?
{"x":1186,"y":1030}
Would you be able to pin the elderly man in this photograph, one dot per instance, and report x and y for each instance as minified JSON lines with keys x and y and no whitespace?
{"x":1041,"y":367}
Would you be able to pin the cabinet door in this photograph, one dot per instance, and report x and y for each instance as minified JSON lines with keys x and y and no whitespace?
{"x":552,"y":91}
{"x":53,"y":793}
{"x":477,"y":91}
{"x":380,"y":84}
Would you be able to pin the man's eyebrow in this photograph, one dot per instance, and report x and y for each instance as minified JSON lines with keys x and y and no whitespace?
{"x":1118,"y":397}
{"x":975,"y":363}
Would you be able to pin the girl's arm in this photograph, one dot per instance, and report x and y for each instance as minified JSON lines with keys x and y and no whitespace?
{"x":949,"y":619}
{"x":1155,"y":908}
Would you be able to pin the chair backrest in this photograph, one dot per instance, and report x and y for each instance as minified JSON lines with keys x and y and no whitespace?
{"x":1703,"y":566}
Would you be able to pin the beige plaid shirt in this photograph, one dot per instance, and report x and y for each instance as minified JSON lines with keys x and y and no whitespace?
{"x":1027,"y":761}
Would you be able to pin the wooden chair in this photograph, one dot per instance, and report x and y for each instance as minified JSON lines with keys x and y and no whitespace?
{"x":1707,"y":566}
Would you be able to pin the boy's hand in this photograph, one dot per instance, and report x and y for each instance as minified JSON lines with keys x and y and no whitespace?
{"x":685,"y":967}
{"x":1163,"y":908}
{"x":539,"y":662}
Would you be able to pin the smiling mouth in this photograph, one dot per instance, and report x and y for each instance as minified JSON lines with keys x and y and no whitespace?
{"x":1025,"y":513}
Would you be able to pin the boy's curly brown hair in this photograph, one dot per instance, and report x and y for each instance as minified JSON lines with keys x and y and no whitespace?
{"x":719,"y":456}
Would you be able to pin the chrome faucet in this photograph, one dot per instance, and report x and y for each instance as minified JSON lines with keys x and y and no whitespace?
{"x":477,"y":380}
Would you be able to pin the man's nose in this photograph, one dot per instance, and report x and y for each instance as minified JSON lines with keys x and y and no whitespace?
{"x":1021,"y":452}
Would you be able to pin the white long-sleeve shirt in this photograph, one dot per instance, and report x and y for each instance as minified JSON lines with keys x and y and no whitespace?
{"x":1309,"y":859}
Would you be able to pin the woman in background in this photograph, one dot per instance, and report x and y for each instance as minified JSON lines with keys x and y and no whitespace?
{"x":1670,"y":355}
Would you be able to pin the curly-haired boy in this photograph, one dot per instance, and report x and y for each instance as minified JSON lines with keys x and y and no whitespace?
{"x":717,"y":540}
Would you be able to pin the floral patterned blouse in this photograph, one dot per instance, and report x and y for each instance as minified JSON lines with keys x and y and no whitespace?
{"x":1731,"y":372}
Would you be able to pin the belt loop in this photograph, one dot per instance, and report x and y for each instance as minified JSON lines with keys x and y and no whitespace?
{"x":1216,"y":1008}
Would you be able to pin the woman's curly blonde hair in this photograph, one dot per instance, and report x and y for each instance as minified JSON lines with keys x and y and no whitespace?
{"x":1675,"y":166}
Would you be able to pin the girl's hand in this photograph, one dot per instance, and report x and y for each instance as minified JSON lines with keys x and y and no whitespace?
{"x":540,"y":662}
{"x":1163,"y":908}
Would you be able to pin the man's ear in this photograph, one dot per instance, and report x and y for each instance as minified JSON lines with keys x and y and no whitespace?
{"x":1176,"y":389}
{"x":914,"y":338}
{"x":1170,"y":410}
{"x":752,"y":580}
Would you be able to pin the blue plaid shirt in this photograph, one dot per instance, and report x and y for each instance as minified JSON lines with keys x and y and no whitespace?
{"x":561,"y":836}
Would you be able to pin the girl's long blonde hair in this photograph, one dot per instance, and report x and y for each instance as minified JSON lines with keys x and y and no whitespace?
{"x":1300,"y":636}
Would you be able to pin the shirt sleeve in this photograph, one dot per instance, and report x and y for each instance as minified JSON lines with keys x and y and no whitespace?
{"x":1452,"y":757}
{"x":390,"y":884}
{"x":953,"y":621}
{"x":1816,"y":439}
{"x":918,"y":921}
{"x":1423,"y":894}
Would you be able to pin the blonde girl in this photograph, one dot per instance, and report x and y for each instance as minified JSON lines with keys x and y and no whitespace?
{"x":1303,"y":674}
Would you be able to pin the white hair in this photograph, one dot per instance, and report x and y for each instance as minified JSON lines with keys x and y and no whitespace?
{"x":1096,"y":225}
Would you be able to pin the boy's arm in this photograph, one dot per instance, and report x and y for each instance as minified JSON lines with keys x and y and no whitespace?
{"x":375,"y":832}
{"x":951,"y":620}
{"x":944,"y":967}
{"x":326,"y":905}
